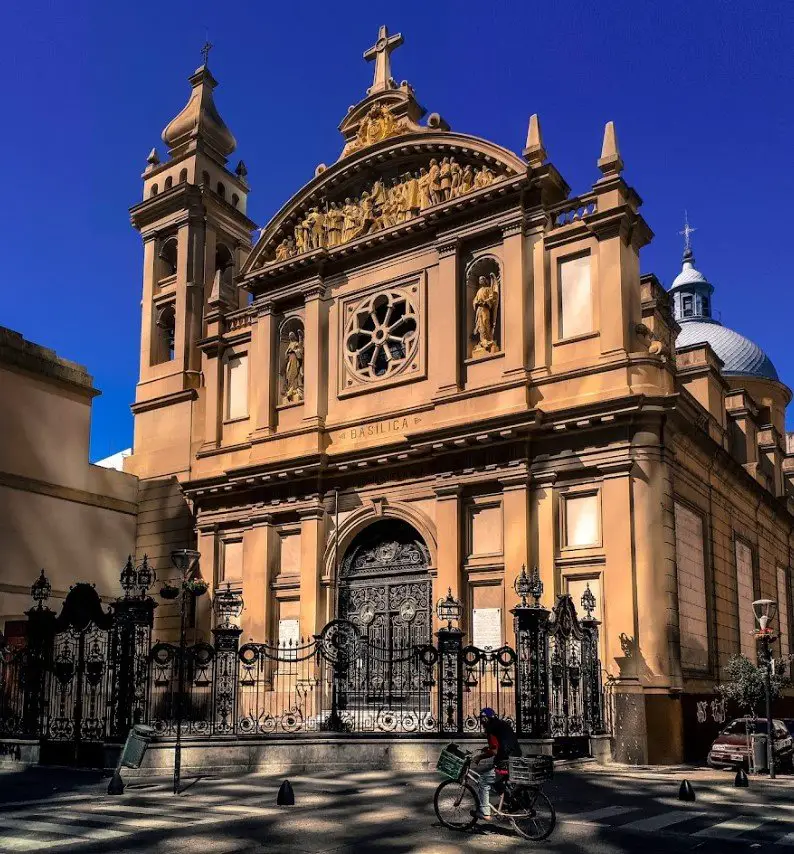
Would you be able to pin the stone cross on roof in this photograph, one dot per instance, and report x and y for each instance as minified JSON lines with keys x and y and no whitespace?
{"x":381,"y":53}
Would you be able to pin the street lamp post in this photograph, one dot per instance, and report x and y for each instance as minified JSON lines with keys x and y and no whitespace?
{"x":764,"y":613}
{"x":185,"y":562}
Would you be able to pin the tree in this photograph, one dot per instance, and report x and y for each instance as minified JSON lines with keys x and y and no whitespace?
{"x":745,"y":684}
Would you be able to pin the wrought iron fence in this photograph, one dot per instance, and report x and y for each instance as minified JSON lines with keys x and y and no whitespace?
{"x":88,"y":674}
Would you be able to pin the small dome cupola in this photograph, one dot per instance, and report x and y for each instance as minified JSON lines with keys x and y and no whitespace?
{"x":691,"y":291}
{"x":200,"y":121}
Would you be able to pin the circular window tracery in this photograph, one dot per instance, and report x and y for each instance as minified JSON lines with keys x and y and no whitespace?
{"x":381,"y":335}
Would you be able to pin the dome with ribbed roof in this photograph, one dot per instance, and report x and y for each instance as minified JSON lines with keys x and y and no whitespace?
{"x":691,"y":297}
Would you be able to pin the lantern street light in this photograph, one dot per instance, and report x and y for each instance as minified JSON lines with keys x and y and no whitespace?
{"x":228,"y":605}
{"x":764,"y":610}
{"x":41,"y":590}
{"x":185,"y":561}
{"x":449,"y":609}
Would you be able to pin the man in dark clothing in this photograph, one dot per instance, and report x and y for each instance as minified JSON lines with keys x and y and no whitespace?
{"x":502,"y":743}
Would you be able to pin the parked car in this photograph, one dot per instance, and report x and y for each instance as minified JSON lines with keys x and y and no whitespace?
{"x":732,"y":748}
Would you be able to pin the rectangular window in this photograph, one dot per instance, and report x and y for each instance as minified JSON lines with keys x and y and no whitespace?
{"x":582,"y":523}
{"x":237,"y":387}
{"x":232,"y":560}
{"x":783,"y":611}
{"x":691,"y":575}
{"x":576,"y":299}
{"x":744,"y":587}
{"x":688,"y":311}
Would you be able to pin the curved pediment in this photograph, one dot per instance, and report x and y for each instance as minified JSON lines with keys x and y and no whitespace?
{"x":389,"y":185}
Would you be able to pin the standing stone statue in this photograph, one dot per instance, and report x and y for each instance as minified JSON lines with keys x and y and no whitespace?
{"x":293,"y":368}
{"x":486,"y":301}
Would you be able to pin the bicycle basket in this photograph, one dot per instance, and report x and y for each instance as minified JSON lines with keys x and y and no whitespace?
{"x":450,"y":764}
{"x":530,"y":770}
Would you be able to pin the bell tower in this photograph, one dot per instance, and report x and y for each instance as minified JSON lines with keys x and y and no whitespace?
{"x":196,"y":235}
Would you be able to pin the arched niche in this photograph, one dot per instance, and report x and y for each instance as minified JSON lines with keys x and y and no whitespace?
{"x":167,"y":257}
{"x":163,"y":334}
{"x":169,"y":182}
{"x":290,"y":360}
{"x":483,"y":307}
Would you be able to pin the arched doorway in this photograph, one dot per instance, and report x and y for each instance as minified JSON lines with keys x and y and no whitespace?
{"x":385,"y":587}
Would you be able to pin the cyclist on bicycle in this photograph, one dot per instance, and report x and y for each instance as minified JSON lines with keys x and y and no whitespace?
{"x":502,"y":743}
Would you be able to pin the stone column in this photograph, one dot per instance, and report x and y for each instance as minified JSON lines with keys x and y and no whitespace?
{"x":315,"y":360}
{"x":444,"y":302}
{"x":258,"y":548}
{"x":448,"y":524}
{"x":264,"y":371}
{"x":544,"y":531}
{"x":515,"y":298}
{"x":515,"y":508}
{"x":312,"y":548}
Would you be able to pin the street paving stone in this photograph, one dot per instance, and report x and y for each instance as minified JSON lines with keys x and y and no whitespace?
{"x":390,"y":812}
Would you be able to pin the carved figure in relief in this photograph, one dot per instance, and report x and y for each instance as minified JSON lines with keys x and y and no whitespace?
{"x":386,"y":204}
{"x":466,"y":180}
{"x":334,"y":222}
{"x":456,"y":172}
{"x":434,"y":174}
{"x":486,"y":301}
{"x":293,"y":368}
{"x":445,"y":179}
{"x":423,"y":181}
{"x":483,"y":178}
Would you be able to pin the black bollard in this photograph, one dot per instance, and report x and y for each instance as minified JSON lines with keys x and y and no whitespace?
{"x":116,"y":784}
{"x":285,"y":797}
{"x":740,"y":780}
{"x":686,"y":792}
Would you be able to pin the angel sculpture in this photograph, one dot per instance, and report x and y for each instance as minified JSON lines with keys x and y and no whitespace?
{"x":486,"y":303}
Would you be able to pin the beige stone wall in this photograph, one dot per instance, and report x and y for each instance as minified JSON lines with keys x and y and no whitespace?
{"x":57,"y":512}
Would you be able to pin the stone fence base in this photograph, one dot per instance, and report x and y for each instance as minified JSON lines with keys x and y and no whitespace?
{"x":303,"y":755}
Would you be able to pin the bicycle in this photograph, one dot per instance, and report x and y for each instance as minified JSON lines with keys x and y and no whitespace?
{"x":521,"y":798}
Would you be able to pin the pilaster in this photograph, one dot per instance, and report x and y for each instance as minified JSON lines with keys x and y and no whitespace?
{"x":450,"y":557}
{"x":445,"y":346}
{"x":264,"y":358}
{"x":315,"y":364}
{"x":543,"y":525}
{"x":516,"y":299}
{"x":258,"y":548}
{"x":312,"y":548}
{"x":515,"y":509}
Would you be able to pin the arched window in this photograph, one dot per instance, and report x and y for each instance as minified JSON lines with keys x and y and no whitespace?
{"x":182,"y":176}
{"x":290,"y":361}
{"x":221,"y":190}
{"x":483,"y":302}
{"x":205,"y":178}
{"x":163,"y":337}
{"x":154,"y":190}
{"x":235,"y":199}
{"x":169,"y":182}
{"x":167,"y":258}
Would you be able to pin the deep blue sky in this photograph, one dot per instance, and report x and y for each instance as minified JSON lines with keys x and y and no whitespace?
{"x":702,"y":94}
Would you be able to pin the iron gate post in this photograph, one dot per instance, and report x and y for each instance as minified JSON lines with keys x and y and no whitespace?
{"x":132,"y":626}
{"x":591,"y":671}
{"x":224,"y":699}
{"x":532,"y":695}
{"x":41,"y":635}
{"x":450,"y":680}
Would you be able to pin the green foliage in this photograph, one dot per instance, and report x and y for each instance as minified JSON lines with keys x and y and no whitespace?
{"x":744,"y":684}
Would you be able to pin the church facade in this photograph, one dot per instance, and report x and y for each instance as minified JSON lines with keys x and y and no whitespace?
{"x":434,"y":366}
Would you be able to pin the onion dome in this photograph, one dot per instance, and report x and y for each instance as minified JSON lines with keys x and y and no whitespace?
{"x":691,"y":296}
{"x":200,"y":120}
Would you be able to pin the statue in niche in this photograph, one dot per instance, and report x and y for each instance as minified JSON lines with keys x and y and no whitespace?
{"x":293,"y":368}
{"x":486,"y":303}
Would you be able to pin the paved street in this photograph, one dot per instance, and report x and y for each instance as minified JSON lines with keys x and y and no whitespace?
{"x":379,"y":811}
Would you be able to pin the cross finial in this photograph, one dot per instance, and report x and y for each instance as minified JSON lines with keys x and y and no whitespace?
{"x":381,"y":53}
{"x":205,"y":51}
{"x":687,"y":232}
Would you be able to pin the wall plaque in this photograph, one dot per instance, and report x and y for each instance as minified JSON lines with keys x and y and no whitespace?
{"x":487,"y":628}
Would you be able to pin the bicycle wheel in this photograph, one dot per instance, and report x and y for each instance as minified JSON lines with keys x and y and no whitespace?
{"x":456,"y":805}
{"x":535,"y":816}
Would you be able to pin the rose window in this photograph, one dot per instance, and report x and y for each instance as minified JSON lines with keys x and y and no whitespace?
{"x":381,"y":335}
